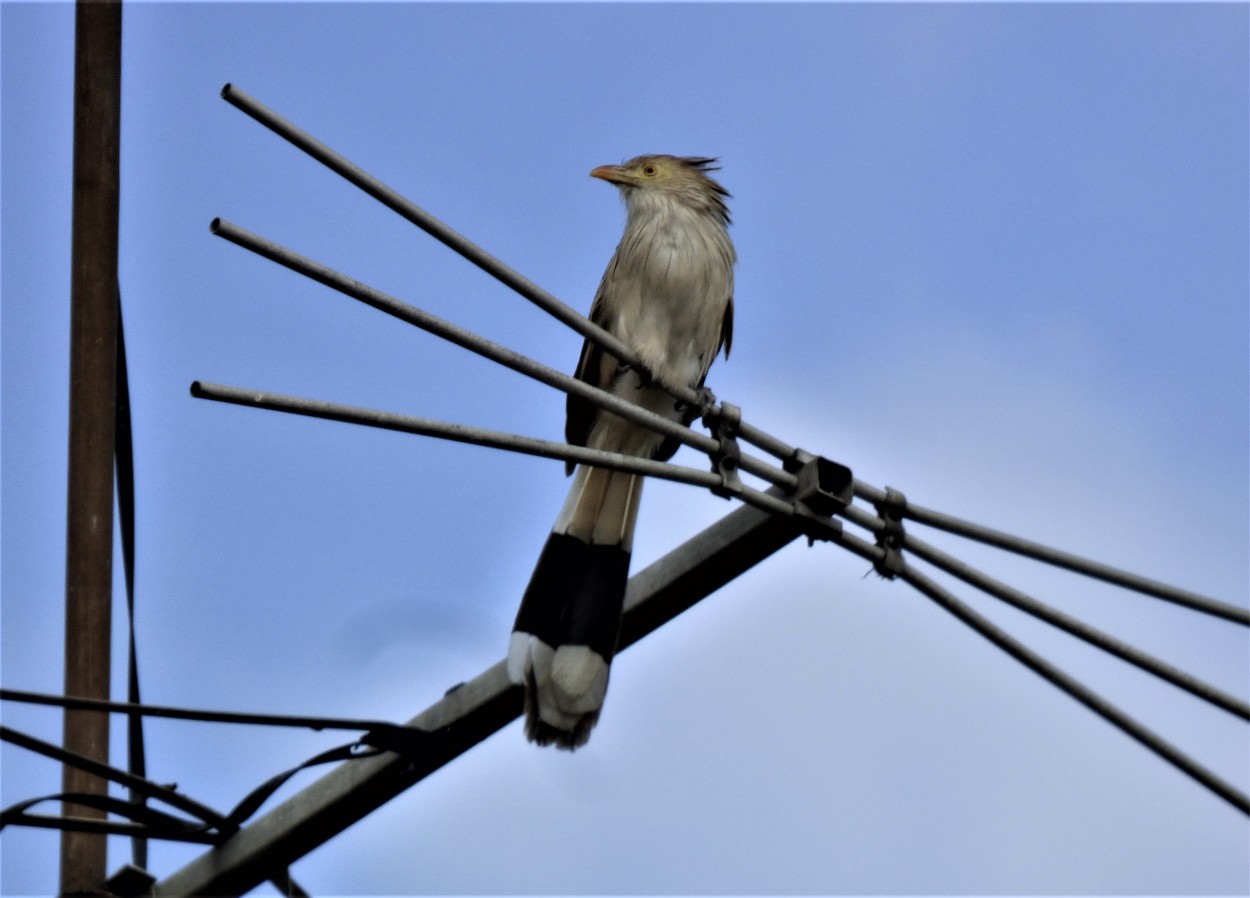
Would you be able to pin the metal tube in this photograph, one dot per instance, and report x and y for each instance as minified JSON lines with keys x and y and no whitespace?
{"x":92,"y":401}
{"x":766,"y":442}
{"x":1056,"y":618}
{"x":1065,"y":560}
{"x":1077,"y":628}
{"x":438,"y":230}
{"x":477,"y":436}
{"x":1077,"y":690}
{"x":486,"y":348}
{"x":465,"y":247}
{"x":861,"y":518}
{"x":459,"y":433}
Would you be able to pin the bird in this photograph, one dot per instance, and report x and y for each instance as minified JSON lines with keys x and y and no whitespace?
{"x":667,"y":293}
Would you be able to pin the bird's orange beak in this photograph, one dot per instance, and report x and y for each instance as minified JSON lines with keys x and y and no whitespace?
{"x":613,"y":174}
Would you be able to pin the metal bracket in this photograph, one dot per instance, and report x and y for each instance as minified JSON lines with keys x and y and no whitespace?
{"x":890,"y":539}
{"x":703,"y":407}
{"x":723,"y":421}
{"x":824,"y":488}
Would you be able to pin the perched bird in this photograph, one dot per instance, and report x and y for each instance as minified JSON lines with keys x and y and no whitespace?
{"x":668,"y":294}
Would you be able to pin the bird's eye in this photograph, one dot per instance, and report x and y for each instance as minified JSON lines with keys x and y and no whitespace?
{"x":648,"y":169}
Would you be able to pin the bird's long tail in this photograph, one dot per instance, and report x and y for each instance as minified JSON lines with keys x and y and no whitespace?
{"x":566,"y":629}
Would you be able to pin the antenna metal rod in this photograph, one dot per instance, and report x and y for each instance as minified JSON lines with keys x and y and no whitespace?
{"x":1058,"y":558}
{"x":450,"y":238}
{"x":493,"y":439}
{"x":465,"y":247}
{"x":459,"y":433}
{"x":1055,"y":617}
{"x":1077,"y":628}
{"x":487,"y":348}
{"x":1077,"y":690}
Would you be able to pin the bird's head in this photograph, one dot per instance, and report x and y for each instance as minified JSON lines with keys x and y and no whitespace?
{"x":683,"y":177}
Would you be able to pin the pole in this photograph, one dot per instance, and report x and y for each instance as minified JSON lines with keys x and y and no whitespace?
{"x":92,"y":398}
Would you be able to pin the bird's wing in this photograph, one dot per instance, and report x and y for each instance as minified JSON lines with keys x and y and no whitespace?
{"x":722,"y":342}
{"x":595,"y":367}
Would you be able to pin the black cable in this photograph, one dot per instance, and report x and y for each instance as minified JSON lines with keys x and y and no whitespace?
{"x":280,"y":720}
{"x":136,"y":754}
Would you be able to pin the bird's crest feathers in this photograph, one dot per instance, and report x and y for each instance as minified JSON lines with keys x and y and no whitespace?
{"x":686,"y":175}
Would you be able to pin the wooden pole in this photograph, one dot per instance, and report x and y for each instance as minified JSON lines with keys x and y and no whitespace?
{"x":92,"y":399}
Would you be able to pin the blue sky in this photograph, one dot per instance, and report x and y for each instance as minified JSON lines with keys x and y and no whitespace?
{"x":992,"y":255}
